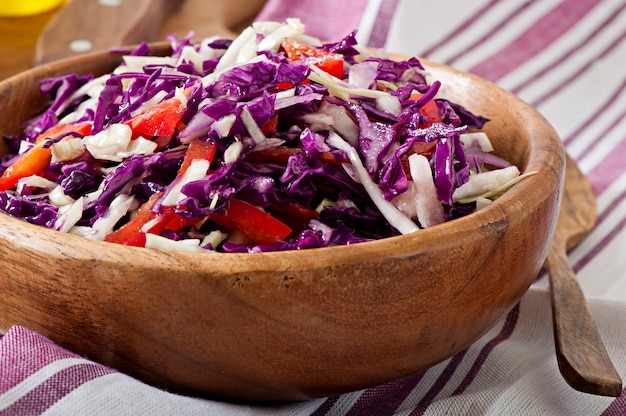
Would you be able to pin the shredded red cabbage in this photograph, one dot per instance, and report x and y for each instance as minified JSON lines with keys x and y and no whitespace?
{"x":273,"y":122}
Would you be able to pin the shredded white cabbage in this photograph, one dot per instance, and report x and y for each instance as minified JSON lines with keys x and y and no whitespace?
{"x":214,"y":238}
{"x":476,"y":140}
{"x":253,"y":128}
{"x":196,"y":170}
{"x":242,"y":49}
{"x":335,"y":117}
{"x":154,"y":100}
{"x":114,"y":143}
{"x":107,"y":143}
{"x":189,"y":54}
{"x":484,"y":182}
{"x":92,"y":88}
{"x":232,"y":152}
{"x":363,"y":74}
{"x":274,"y":33}
{"x":67,"y":149}
{"x":207,"y":52}
{"x":59,"y":198}
{"x":428,"y":206}
{"x":389,"y":103}
{"x":392,"y":214}
{"x":165,"y":244}
{"x":69,"y":216}
{"x":223,"y":125}
{"x":136,"y":63}
{"x":120,"y":205}
{"x":339,"y":88}
{"x":35,"y":181}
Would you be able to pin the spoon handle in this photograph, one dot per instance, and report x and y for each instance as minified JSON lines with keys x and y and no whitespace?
{"x":581,"y":355}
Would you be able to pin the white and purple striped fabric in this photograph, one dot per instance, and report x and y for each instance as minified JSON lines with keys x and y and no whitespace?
{"x":565,"y":57}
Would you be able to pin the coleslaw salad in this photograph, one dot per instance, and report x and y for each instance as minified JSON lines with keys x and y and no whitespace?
{"x":270,"y":141}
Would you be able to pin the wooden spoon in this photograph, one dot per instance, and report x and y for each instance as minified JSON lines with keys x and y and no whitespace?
{"x":83,"y":25}
{"x":581,"y":355}
{"x":102,"y":24}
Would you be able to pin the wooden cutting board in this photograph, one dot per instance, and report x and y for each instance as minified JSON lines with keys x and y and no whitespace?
{"x":83,"y":25}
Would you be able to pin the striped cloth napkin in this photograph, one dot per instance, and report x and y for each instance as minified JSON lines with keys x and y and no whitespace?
{"x":567,"y":58}
{"x":512,"y":370}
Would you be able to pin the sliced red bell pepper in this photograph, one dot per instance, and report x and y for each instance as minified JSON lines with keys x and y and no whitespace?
{"x":222,"y":220}
{"x":159,"y":120}
{"x":281,"y":154}
{"x":287,"y":85}
{"x":428,"y":110}
{"x":82,"y":128}
{"x":37,"y":158}
{"x":133,"y":234}
{"x":295,"y":216}
{"x":332,"y":63}
{"x":425,"y":149}
{"x":32,"y":162}
{"x":329,"y":157}
{"x":278,"y":154}
{"x":197,"y":149}
{"x":170,"y":220}
{"x":253,"y":222}
{"x":271,"y":126}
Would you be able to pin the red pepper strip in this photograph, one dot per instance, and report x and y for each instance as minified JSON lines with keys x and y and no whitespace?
{"x":278,"y":154}
{"x":253,"y":222}
{"x":130,"y":234}
{"x":425,"y":149}
{"x":271,"y":126}
{"x":281,"y":154}
{"x":294,"y":215}
{"x":222,"y":220}
{"x":32,"y":162}
{"x":168,"y":219}
{"x":37,"y":158}
{"x":287,"y":85}
{"x":160,"y":120}
{"x":82,"y":128}
{"x":331,"y":63}
{"x":197,"y":149}
{"x":328,"y":157}
{"x":428,"y":110}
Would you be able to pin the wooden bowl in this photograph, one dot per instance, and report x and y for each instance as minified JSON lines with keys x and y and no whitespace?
{"x":292,"y":325}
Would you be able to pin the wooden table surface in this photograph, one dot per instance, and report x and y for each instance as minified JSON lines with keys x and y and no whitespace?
{"x":18,"y":36}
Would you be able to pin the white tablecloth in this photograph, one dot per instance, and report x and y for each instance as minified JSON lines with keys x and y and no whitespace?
{"x":565,"y":57}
